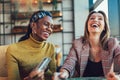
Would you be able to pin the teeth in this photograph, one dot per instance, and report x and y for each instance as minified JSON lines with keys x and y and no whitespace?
{"x":46,"y":33}
{"x":94,"y":25}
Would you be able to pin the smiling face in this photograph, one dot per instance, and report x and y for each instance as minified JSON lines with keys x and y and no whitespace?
{"x":42,"y":29}
{"x":96,"y":23}
{"x":97,"y":26}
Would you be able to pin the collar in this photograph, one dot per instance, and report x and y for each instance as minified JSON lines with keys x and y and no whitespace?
{"x":35,"y":43}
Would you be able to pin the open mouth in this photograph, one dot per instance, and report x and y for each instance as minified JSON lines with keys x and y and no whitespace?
{"x":95,"y":25}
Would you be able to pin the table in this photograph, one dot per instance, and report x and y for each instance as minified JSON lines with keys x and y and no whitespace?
{"x":86,"y":78}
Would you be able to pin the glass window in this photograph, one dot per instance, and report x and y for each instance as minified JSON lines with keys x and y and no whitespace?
{"x":103,"y":6}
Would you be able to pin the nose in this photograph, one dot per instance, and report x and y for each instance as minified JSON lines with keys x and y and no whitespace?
{"x":96,"y":19}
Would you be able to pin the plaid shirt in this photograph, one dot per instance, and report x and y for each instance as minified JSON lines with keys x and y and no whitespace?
{"x":79,"y":54}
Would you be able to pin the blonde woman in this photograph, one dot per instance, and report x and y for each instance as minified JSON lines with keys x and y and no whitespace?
{"x":94,"y":53}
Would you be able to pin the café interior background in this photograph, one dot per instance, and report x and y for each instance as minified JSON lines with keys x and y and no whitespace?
{"x":69,"y":18}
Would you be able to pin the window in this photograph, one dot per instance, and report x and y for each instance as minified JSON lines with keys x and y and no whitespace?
{"x":103,"y":6}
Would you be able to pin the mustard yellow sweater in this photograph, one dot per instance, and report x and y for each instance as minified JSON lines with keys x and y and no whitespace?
{"x":24,"y":56}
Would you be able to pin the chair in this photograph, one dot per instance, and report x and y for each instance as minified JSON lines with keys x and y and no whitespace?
{"x":3,"y":69}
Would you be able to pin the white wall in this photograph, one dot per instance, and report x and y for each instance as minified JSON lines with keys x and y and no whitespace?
{"x":81,"y":10}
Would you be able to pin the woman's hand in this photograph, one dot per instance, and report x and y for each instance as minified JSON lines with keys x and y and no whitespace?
{"x":63,"y":74}
{"x":112,"y":76}
{"x":39,"y":75}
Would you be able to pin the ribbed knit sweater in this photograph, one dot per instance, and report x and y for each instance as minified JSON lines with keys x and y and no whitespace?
{"x":24,"y":56}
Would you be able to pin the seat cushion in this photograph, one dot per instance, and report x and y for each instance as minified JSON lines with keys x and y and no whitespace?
{"x":3,"y":78}
{"x":3,"y":69}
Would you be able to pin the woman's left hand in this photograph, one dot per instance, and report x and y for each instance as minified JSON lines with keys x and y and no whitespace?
{"x":112,"y":76}
{"x":35,"y":74}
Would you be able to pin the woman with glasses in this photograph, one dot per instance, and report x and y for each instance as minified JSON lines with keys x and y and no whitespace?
{"x":24,"y":56}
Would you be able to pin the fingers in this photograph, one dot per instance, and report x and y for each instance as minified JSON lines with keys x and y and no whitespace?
{"x":56,"y":76}
{"x":111,"y":76}
{"x":63,"y":75}
{"x":26,"y":78}
{"x":36,"y":74}
{"x":41,"y":75}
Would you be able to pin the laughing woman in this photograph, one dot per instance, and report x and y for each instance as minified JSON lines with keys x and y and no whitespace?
{"x":24,"y":56}
{"x":94,"y":53}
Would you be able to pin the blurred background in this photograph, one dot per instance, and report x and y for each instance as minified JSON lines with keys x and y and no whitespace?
{"x":69,"y":18}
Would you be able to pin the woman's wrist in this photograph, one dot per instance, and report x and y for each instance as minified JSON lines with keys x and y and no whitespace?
{"x":65,"y":72}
